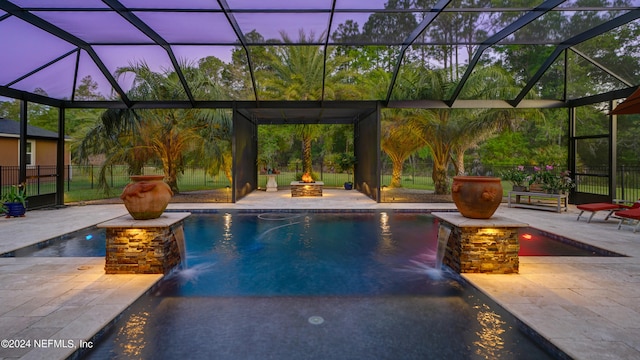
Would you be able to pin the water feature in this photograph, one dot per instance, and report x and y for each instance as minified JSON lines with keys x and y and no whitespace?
{"x":314,"y":286}
{"x":443,"y":237}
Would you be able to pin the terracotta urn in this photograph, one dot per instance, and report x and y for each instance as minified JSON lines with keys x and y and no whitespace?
{"x":476,"y":197}
{"x":146,"y":197}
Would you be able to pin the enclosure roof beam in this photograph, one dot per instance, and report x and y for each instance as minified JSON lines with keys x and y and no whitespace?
{"x":428,"y":19}
{"x":326,"y":45}
{"x":508,"y":30}
{"x":604,"y":68}
{"x":64,"y":35}
{"x":608,"y":96}
{"x":589,"y":34}
{"x":240,"y":35}
{"x":34,"y":98}
{"x":150,"y":33}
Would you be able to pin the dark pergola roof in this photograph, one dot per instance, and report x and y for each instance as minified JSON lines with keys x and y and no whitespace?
{"x":48,"y":46}
{"x":273,"y":113}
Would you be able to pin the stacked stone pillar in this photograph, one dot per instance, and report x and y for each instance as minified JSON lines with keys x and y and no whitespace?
{"x":480,"y":245}
{"x":154,"y":246}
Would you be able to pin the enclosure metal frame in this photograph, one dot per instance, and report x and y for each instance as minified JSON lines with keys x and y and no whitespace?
{"x":254,"y":107}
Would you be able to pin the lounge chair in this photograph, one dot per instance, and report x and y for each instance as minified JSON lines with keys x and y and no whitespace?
{"x":602,"y":206}
{"x":631,"y":216}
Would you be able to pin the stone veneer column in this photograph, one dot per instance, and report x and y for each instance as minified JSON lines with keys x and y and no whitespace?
{"x":154,"y":246}
{"x":480,"y":245}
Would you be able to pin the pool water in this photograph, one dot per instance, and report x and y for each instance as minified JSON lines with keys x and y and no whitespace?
{"x":306,"y":254}
{"x":90,"y":242}
{"x":314,"y":286}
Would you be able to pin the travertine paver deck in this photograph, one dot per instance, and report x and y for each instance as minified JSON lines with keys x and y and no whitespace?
{"x":48,"y":306}
{"x":588,"y":307}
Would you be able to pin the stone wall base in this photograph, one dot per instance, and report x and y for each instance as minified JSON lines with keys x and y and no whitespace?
{"x":478,"y":250}
{"x":299,"y":189}
{"x":481,"y":246}
{"x":147,"y":248}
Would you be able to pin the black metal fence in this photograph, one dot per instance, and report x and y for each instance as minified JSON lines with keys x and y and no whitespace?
{"x":78,"y":178}
{"x":41,"y":179}
{"x":595,"y":180}
{"x":416,"y":175}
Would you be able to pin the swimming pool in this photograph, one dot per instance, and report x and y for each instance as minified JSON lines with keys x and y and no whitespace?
{"x":91,"y":241}
{"x":313,"y":286}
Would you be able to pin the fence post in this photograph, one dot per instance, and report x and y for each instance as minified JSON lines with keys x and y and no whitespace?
{"x":38,"y":177}
{"x":413,"y":170}
{"x":622,"y":183}
{"x":111,"y":173}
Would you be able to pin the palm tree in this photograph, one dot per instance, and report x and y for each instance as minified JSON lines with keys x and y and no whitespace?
{"x":400,"y":138}
{"x":401,"y":134}
{"x":450,"y":132}
{"x":168,"y":136}
{"x":296,"y":73}
{"x":447,"y":133}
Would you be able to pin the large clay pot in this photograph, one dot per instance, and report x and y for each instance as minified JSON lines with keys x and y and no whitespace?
{"x":146,"y":197}
{"x":476,"y":197}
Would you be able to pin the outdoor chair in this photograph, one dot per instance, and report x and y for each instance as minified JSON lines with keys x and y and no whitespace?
{"x":593,"y":208}
{"x":632,"y":215}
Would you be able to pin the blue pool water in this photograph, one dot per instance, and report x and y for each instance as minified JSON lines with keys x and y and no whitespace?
{"x":313,"y":286}
{"x":305,"y":254}
{"x":91,"y":242}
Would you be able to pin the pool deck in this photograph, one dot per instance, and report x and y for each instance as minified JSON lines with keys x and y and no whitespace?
{"x":589,"y":307}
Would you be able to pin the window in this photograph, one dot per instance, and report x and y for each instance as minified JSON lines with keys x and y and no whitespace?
{"x":31,"y":152}
{"x":30,"y":148}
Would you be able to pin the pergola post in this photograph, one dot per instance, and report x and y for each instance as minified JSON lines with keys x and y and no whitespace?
{"x":22,"y":172}
{"x":613,"y":151}
{"x":60,"y":157}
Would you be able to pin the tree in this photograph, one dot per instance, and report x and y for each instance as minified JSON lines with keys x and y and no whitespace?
{"x":400,"y":138}
{"x":447,"y":131}
{"x":166,"y":136}
{"x":296,"y":73}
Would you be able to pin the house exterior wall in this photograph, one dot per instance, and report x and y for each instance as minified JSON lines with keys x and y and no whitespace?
{"x":45,"y":155}
{"x":45,"y":152}
{"x":8,"y":152}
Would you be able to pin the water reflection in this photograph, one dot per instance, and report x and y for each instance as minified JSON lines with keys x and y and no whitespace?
{"x":131,"y":336}
{"x":386,"y":236}
{"x":228,"y":221}
{"x":490,"y":344}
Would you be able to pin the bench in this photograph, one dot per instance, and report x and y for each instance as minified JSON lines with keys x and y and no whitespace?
{"x":538,"y":200}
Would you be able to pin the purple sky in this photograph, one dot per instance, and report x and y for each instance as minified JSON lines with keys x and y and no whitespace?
{"x":34,"y":47}
{"x":25,"y":48}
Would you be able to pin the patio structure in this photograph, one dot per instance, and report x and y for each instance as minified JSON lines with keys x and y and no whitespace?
{"x":587,"y":307}
{"x":64,"y":41}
